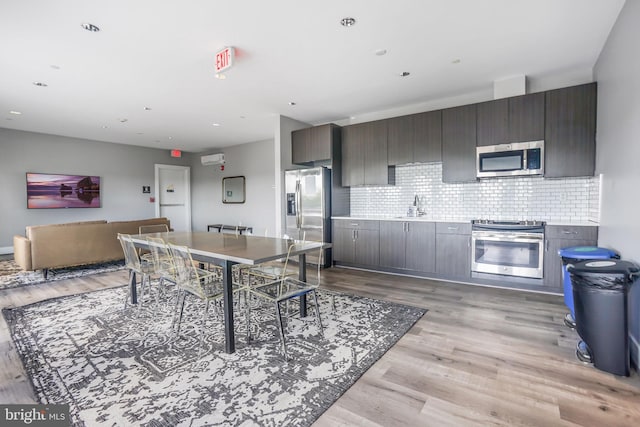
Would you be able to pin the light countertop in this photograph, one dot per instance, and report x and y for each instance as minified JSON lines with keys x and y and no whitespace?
{"x":428,"y":219}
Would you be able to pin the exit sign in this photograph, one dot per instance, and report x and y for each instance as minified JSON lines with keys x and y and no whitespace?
{"x":224,"y":59}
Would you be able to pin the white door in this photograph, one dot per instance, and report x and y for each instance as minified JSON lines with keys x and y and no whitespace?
{"x":173,"y":195}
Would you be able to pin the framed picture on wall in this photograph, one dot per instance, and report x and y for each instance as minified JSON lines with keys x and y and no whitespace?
{"x":58,"y":191}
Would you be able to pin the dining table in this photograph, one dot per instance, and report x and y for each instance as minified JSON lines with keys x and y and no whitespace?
{"x":226,"y":250}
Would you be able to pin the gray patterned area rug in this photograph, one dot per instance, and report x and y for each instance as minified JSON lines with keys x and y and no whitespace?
{"x":12,"y":276}
{"x":123,"y":367}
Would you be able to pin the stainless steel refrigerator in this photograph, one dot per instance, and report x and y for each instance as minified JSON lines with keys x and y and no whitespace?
{"x":308,"y":213}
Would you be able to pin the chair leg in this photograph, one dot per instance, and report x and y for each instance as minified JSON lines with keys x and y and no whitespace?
{"x":204,"y":325}
{"x":315,"y":298}
{"x":183,"y":296}
{"x":247,"y":313}
{"x":281,"y":327}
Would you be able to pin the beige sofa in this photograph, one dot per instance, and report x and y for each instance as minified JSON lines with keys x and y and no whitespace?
{"x":77,"y":243}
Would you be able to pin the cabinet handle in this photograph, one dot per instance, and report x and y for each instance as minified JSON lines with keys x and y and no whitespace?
{"x":569,"y":232}
{"x":356,"y":231}
{"x":452,"y":228}
{"x":468,"y":242}
{"x":354,"y":224}
{"x":546,"y":245}
{"x":407,"y":230}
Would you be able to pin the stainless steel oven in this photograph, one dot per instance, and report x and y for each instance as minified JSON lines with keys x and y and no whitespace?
{"x":511,"y":248}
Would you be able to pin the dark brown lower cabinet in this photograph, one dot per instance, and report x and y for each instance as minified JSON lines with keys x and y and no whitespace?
{"x":559,"y":237}
{"x":408,"y":245}
{"x":453,"y":250}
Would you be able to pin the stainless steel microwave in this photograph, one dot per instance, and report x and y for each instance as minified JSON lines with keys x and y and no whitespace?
{"x":519,"y":158}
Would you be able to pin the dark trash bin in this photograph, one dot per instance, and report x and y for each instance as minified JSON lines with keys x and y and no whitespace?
{"x":600,"y":289}
{"x":572,"y":255}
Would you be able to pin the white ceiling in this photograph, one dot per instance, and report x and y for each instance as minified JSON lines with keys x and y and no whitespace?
{"x":160,"y":54}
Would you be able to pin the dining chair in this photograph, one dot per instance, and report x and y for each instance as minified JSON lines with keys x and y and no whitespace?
{"x":284,"y":289}
{"x":135,"y":265}
{"x":151,"y":228}
{"x":163,"y":265}
{"x":199,"y":283}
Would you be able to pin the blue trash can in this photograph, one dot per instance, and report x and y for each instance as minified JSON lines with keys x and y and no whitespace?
{"x":574,"y":255}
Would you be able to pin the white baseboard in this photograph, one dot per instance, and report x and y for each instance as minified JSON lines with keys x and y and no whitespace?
{"x":6,"y":250}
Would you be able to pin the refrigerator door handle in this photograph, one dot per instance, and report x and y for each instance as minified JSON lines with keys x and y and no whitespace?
{"x":298,"y":210}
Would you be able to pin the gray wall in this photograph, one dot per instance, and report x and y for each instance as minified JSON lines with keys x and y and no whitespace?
{"x":618,"y":150}
{"x":253,"y":161}
{"x":123,"y":170}
{"x":284,"y":127}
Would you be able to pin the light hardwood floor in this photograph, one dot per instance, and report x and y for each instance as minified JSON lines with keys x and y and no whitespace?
{"x":480,"y":356}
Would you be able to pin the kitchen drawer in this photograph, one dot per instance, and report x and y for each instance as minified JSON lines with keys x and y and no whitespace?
{"x":571,"y":232}
{"x":357,"y":224}
{"x":453,"y":228}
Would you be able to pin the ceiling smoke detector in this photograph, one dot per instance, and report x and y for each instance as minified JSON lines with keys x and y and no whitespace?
{"x":40,"y":84}
{"x":90,"y":27}
{"x":347,"y":22}
{"x":404,"y":74}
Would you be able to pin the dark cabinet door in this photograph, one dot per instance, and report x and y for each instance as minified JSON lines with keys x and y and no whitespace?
{"x":367,"y":251}
{"x":353,"y":138}
{"x":527,"y":117}
{"x":343,"y":249}
{"x":300,"y":140}
{"x":427,"y":143}
{"x":375,"y":153}
{"x":400,"y":140}
{"x":320,"y":142}
{"x":392,"y":244}
{"x":570,"y":136}
{"x":493,"y":122}
{"x":459,"y":144}
{"x":420,"y":247}
{"x":453,"y":255}
{"x":553,"y":279}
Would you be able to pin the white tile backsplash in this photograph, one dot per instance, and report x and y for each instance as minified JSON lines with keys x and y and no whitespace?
{"x":568,"y":200}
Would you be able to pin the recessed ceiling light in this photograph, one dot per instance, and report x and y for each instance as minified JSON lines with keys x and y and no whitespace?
{"x":381,"y":52}
{"x":347,"y":22}
{"x":455,"y":61}
{"x":90,"y":27}
{"x":216,"y":124}
{"x":220,"y":76}
{"x":292,"y":103}
{"x":40,"y":84}
{"x":404,"y":74}
{"x":170,"y":137}
{"x":105,"y":127}
{"x":147,"y":108}
{"x":17,"y":113}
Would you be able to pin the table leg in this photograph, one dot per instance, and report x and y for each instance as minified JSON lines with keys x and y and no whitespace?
{"x":132,"y":285}
{"x":302,"y":276}
{"x":227,"y":280}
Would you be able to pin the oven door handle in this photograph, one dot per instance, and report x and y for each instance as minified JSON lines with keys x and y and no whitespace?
{"x":510,"y":238}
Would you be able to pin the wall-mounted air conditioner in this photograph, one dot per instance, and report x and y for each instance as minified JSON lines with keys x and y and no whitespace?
{"x":212,"y":159}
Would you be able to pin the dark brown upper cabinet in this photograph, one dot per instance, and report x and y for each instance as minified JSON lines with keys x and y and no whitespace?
{"x":526,"y":117}
{"x":313,"y":144}
{"x":364,"y":154}
{"x":570,"y":136}
{"x":515,"y":119}
{"x":416,"y":138}
{"x":493,"y":122}
{"x":459,"y":144}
